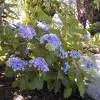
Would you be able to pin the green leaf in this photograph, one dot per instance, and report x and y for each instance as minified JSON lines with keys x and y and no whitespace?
{"x":80,"y":76}
{"x":50,"y":47}
{"x":50,"y":85}
{"x":67,"y":92}
{"x":80,"y":82}
{"x":71,"y":74}
{"x":45,"y":76}
{"x":23,"y":84}
{"x":9,"y":72}
{"x":16,"y":83}
{"x":57,"y":85}
{"x":65,"y":82}
{"x":37,"y":83}
{"x":60,"y":75}
{"x":39,"y":14}
{"x":81,"y":87}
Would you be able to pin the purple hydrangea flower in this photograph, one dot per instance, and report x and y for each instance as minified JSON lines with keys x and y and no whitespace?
{"x":75,"y":54}
{"x":27,"y":31}
{"x":86,"y":62}
{"x":56,"y":19}
{"x":43,"y":26}
{"x":52,"y":39}
{"x":16,"y":63}
{"x":39,"y":63}
{"x":62,"y":53}
{"x":66,"y":67}
{"x":91,"y":64}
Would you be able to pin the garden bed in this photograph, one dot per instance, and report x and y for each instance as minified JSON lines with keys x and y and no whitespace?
{"x":9,"y":93}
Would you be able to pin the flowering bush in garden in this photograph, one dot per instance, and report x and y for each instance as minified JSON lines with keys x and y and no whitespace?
{"x":46,"y":47}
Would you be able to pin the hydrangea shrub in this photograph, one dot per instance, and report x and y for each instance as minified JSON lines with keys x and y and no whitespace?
{"x":46,"y":47}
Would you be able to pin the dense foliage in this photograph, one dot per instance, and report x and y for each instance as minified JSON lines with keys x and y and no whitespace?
{"x":46,"y":46}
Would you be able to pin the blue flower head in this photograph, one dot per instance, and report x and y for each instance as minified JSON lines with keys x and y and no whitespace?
{"x":91,"y":64}
{"x":88,"y":63}
{"x":62,"y":53}
{"x":52,"y":39}
{"x":56,"y":19}
{"x":75,"y":54}
{"x":16,"y":63}
{"x":27,"y":31}
{"x":66,"y":67}
{"x":43,"y":26}
{"x":39,"y":63}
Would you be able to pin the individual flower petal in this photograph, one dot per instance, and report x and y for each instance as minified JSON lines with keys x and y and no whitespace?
{"x":52,"y":39}
{"x":39,"y":63}
{"x":16,"y":63}
{"x":43,"y":26}
{"x":27,"y":31}
{"x":56,"y":19}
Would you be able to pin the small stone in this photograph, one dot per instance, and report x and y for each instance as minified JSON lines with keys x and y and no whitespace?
{"x":18,"y":97}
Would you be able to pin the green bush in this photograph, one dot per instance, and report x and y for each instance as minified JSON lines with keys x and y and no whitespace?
{"x":46,"y":47}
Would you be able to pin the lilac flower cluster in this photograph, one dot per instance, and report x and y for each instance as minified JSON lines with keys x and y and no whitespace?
{"x":66,"y":67}
{"x":52,"y":39}
{"x":27,"y":31}
{"x":75,"y":54}
{"x":39,"y":63}
{"x":56,"y":19}
{"x":43,"y":26}
{"x":16,"y":63}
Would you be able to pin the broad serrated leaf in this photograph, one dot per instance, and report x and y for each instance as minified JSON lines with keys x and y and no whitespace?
{"x":37,"y":83}
{"x":67,"y":92}
{"x":9,"y":72}
{"x":81,"y":87}
{"x":57,"y":85}
{"x":50,"y":47}
{"x":60,"y":75}
{"x":71,"y":74}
